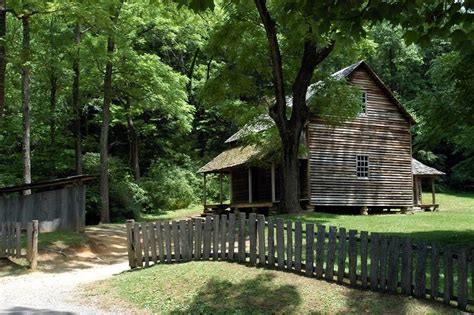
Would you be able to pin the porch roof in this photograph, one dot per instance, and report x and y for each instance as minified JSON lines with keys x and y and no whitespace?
{"x":231,"y":158}
{"x":420,"y":169}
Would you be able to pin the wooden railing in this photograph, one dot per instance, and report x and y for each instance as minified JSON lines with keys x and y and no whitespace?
{"x":370,"y":260}
{"x":10,"y":241}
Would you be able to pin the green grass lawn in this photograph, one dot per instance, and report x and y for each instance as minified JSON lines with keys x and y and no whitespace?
{"x":229,"y":288}
{"x":453,"y":224}
{"x":172,"y":214}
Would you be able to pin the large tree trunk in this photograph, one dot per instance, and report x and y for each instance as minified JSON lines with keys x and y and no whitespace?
{"x":76,"y":101}
{"x":133,"y":141}
{"x":3,"y":56}
{"x":104,"y":135}
{"x":53,"y":80}
{"x":25,"y":97}
{"x":289,"y":174}
{"x":290,"y":129}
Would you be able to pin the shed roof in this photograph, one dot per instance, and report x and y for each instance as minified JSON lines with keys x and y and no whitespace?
{"x":420,"y":169}
{"x":231,"y":158}
{"x":48,"y":185}
{"x":264,"y":122}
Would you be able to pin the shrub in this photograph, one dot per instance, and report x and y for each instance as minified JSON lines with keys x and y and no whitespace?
{"x":126,"y":198}
{"x":171,"y":187}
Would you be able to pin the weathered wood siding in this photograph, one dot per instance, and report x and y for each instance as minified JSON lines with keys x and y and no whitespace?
{"x":240,"y":185}
{"x":383,"y":134}
{"x":56,"y":210}
{"x":262,"y":184}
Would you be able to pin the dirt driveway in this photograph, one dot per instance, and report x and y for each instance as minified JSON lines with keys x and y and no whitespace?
{"x":52,"y":289}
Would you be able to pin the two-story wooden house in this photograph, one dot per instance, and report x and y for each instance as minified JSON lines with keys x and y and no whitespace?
{"x":365,"y":162}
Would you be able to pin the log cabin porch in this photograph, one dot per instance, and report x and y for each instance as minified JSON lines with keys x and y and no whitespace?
{"x":253,"y":188}
{"x":422,"y":172}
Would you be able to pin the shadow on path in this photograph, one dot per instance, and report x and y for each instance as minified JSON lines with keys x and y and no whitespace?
{"x":18,"y":310}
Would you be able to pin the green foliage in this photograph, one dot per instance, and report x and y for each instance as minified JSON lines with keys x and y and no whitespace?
{"x":335,"y":101}
{"x":185,"y":81}
{"x":446,"y":112}
{"x":126,"y":197}
{"x":170,"y":186}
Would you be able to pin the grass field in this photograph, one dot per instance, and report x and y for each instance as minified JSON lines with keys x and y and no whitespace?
{"x":453,"y":224}
{"x":226,"y":288}
{"x":230,"y":288}
{"x":172,"y":214}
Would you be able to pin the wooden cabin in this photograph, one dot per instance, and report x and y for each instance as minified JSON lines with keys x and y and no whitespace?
{"x":363,"y":163}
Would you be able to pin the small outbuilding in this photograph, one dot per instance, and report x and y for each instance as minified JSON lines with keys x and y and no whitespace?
{"x":420,"y":172}
{"x":58,"y":205}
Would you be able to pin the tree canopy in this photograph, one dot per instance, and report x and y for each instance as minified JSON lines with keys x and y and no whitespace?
{"x":182,"y":76}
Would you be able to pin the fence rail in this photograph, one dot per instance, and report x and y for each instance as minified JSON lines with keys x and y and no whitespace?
{"x":370,"y":260}
{"x":10,"y":241}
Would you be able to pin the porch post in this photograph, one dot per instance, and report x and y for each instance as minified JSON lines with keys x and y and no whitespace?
{"x":250,"y":185}
{"x":420,"y":191}
{"x":205,"y":190}
{"x":415,"y":192}
{"x":273,"y":182}
{"x":220,"y":188}
{"x":433,"y":191}
{"x":231,"y":190}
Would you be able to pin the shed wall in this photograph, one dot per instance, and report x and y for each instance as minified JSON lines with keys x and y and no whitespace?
{"x":56,"y":210}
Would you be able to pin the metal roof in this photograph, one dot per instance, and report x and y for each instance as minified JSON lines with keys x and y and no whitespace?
{"x":48,"y":185}
{"x":420,"y":169}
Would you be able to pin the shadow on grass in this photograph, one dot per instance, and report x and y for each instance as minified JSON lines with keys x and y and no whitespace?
{"x":260,"y":295}
{"x":359,"y":301}
{"x":309,"y":217}
{"x":455,"y":239}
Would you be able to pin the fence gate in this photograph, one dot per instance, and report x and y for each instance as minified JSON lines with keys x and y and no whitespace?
{"x":370,"y":260}
{"x":10,"y":241}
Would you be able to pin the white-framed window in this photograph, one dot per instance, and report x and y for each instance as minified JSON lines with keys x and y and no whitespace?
{"x":362,"y":166}
{"x":364,"y":104}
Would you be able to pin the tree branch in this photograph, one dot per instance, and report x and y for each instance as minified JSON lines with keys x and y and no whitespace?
{"x":312,"y":57}
{"x":278,"y":111}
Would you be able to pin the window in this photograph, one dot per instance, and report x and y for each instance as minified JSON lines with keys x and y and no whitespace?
{"x":362,"y":166}
{"x":364,"y":104}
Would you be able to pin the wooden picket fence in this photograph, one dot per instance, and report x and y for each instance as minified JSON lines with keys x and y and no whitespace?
{"x":10,"y":241}
{"x":370,"y":260}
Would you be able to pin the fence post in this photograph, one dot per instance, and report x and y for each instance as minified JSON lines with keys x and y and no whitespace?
{"x":34,"y":245}
{"x":298,"y":245}
{"x":448,"y":275}
{"x":280,"y":238}
{"x":2,"y":248}
{"x":462,"y":280}
{"x":353,"y":257}
{"x":261,"y":239}
{"x":309,"y":249}
{"x":253,"y":238}
{"x":242,"y":236}
{"x":331,"y":257}
{"x":130,"y":247}
{"x":137,"y":245}
{"x":420,"y":271}
{"x":18,"y":239}
{"x":407,"y":267}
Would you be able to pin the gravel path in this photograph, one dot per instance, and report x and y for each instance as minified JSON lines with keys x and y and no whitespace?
{"x":52,"y":293}
{"x":53,"y":289}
